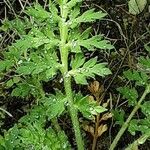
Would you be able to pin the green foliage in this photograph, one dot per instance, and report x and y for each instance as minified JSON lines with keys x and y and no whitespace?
{"x":17,"y":25}
{"x":31,"y":133}
{"x":147,"y":47}
{"x":38,"y":12}
{"x":141,"y":125}
{"x":141,"y":140}
{"x":46,"y":38}
{"x":88,"y":69}
{"x":130,"y":94}
{"x":139,"y":80}
{"x":87,"y":106}
{"x":87,"y":16}
{"x":119,"y":116}
{"x":55,"y":104}
{"x":95,"y":41}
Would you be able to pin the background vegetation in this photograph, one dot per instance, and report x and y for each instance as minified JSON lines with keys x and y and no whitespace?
{"x":126,"y":26}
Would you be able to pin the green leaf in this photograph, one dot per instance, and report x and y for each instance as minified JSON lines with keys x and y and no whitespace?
{"x":16,"y":79}
{"x":133,"y":126}
{"x":85,"y":34}
{"x":130,"y":94}
{"x":75,"y":47}
{"x":87,"y":107}
{"x":72,"y":3}
{"x":141,"y":140}
{"x":90,"y":63}
{"x":95,"y":42}
{"x":88,"y":16}
{"x":26,"y":70}
{"x":142,"y":125}
{"x":147,"y":47}
{"x":28,"y":42}
{"x":144,"y":63}
{"x":54,"y":12}
{"x":136,"y":6}
{"x":80,"y":79}
{"x":78,"y":61}
{"x":146,"y":108}
{"x":38,"y":12}
{"x":39,"y":68}
{"x":55,"y":104}
{"x":34,"y":134}
{"x":22,"y":90}
{"x":19,"y":25}
{"x":5,"y":65}
{"x":74,"y":13}
{"x":119,"y":116}
{"x":89,"y":69}
{"x":16,"y":25}
{"x":9,"y":83}
{"x":50,"y":73}
{"x":5,"y":25}
{"x":141,"y":78}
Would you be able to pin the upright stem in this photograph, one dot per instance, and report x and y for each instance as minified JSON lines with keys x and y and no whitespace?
{"x":67,"y":80}
{"x":73,"y":113}
{"x":125,"y":125}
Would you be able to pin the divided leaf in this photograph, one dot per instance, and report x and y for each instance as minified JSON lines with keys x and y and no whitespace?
{"x":95,"y":42}
{"x":89,"y":69}
{"x":78,"y":61}
{"x":54,"y":12}
{"x":73,"y":3}
{"x":130,"y":94}
{"x":133,"y":126}
{"x":12,"y":81}
{"x":37,"y":64}
{"x":145,"y":64}
{"x":26,"y":69}
{"x":91,"y":43}
{"x":38,"y":12}
{"x":119,"y":116}
{"x":74,"y":13}
{"x":146,"y":108}
{"x":25,"y":134}
{"x":88,"y":16}
{"x":54,"y":104}
{"x":141,"y":78}
{"x":88,"y":107}
{"x":22,"y":90}
{"x":16,"y":25}
{"x":142,"y":125}
{"x":5,"y":65}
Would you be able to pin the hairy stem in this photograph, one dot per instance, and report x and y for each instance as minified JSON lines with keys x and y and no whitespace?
{"x":67,"y":80}
{"x":126,"y":124}
{"x":73,"y":114}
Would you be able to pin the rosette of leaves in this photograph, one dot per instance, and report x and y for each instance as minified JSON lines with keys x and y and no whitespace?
{"x":43,"y":50}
